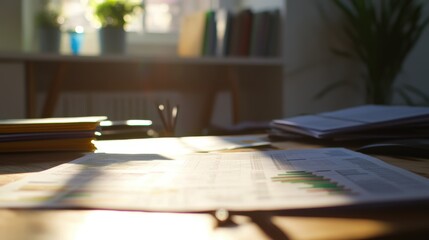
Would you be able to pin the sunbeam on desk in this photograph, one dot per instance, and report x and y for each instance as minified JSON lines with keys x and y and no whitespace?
{"x":115,"y":225}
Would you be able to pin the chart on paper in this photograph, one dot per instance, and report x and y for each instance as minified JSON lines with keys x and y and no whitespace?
{"x":283,"y":179}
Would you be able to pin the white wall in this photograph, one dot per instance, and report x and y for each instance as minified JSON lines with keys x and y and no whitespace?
{"x":12,"y":98}
{"x":10,"y":25}
{"x":416,"y":67}
{"x":12,"y":91}
{"x":310,"y":65}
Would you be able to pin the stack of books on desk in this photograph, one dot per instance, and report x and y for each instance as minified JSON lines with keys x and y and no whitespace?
{"x":49,"y":134}
{"x":358,"y":123}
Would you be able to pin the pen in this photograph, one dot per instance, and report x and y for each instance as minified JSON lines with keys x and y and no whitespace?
{"x":168,"y":117}
{"x":174,"y":114}
{"x":160,"y":108}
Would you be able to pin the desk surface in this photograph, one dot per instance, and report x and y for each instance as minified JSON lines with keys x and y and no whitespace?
{"x":406,"y":222}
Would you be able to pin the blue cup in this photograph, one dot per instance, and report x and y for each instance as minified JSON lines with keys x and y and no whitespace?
{"x":76,"y":40}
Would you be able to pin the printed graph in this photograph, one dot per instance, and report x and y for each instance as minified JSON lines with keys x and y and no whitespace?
{"x":311,"y":183}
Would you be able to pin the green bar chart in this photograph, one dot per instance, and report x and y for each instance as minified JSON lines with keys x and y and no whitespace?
{"x":310,"y":182}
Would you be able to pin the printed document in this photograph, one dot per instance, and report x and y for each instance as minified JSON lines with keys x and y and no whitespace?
{"x":282,"y":179}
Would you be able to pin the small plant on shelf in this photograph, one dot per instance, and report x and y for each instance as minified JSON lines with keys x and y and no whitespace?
{"x":48,"y":21}
{"x":113,"y":15}
{"x":48,"y":18}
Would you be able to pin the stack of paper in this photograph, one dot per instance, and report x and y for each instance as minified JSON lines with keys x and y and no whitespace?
{"x":357,"y":123}
{"x":49,"y":134}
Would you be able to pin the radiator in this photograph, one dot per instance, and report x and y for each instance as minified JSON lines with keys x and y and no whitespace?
{"x":115,"y":105}
{"x":136,"y":105}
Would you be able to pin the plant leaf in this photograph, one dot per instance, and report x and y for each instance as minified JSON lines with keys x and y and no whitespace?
{"x":382,"y":34}
{"x":405,"y":97}
{"x":417,"y":92}
{"x":329,"y":88}
{"x":342,"y":53}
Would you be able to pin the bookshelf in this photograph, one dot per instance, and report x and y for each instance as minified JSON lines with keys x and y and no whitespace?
{"x":263,"y":87}
{"x":244,"y":77}
{"x":250,"y":30}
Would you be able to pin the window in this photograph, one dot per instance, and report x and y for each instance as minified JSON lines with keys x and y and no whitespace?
{"x":164,"y":16}
{"x":81,"y":13}
{"x":76,"y":13}
{"x":159,"y":16}
{"x":157,"y":25}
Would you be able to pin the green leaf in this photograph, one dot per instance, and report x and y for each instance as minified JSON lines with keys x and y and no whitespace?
{"x":114,"y":12}
{"x":417,"y":92}
{"x":329,"y":88}
{"x":405,"y":97}
{"x":345,"y":9}
{"x":48,"y":17}
{"x":342,"y":53}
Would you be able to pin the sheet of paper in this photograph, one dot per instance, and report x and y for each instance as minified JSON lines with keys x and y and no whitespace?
{"x":379,"y":113}
{"x":216,"y":143}
{"x":181,"y":145}
{"x":284,"y":179}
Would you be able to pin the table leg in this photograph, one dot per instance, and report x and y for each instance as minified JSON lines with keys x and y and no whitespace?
{"x":233,"y":78}
{"x":31,"y":98}
{"x":54,"y":91}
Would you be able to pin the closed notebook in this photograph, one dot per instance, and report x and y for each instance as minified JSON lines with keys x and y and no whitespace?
{"x":50,"y":124}
{"x":10,"y":137}
{"x":49,"y":134}
{"x":71,"y":144}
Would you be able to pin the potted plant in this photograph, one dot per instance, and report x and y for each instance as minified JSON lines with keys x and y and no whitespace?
{"x":113,"y":16}
{"x":48,"y":23}
{"x":382,"y":34}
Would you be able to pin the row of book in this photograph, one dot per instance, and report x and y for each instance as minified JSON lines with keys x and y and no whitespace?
{"x":222,"y":33}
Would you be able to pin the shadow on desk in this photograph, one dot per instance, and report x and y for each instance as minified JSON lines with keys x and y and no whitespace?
{"x":247,"y":127}
{"x":34,"y":162}
{"x":387,"y":221}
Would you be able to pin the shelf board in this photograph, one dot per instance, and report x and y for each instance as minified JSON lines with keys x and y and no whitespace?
{"x":46,"y":57}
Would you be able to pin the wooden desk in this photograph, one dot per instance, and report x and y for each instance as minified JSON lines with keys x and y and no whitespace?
{"x":406,"y":222}
{"x":165,"y":73}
